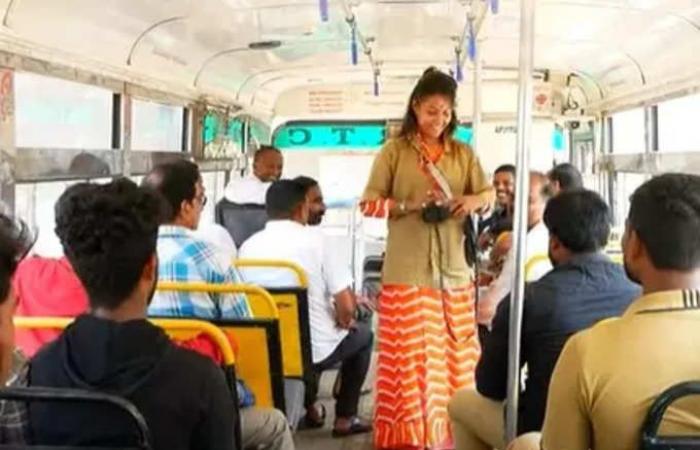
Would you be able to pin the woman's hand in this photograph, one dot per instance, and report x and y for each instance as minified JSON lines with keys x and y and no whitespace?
{"x":411,"y":206}
{"x":466,"y":204}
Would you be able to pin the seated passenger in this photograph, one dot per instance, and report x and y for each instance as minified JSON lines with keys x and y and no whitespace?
{"x":242,"y":210}
{"x":109,"y":233}
{"x":608,"y":376}
{"x":537,"y":243}
{"x":501,"y":219}
{"x":583,"y":288}
{"x":314,"y":197}
{"x":564,"y":177}
{"x":335,"y":336}
{"x":184,"y":257}
{"x":46,"y":287}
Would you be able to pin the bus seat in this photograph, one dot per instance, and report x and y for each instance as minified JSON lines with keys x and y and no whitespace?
{"x":651,"y":440}
{"x":46,"y":394}
{"x":241,"y":221}
{"x":177,"y":329}
{"x":293,"y":306}
{"x":372,"y":276}
{"x":259,"y":359}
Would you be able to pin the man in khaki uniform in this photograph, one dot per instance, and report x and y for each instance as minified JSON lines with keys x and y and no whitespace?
{"x":608,"y":376}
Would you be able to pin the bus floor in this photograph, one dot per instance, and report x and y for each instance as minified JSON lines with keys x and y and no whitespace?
{"x":321,"y":439}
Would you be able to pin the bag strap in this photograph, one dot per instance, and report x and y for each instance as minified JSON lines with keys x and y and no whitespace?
{"x":433,"y":173}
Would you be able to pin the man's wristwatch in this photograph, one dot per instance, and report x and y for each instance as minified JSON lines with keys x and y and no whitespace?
{"x":402,"y":207}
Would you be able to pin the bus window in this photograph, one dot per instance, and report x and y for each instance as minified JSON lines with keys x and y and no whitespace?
{"x":628,"y":131}
{"x":156,"y":127}
{"x":678,"y":130}
{"x":54,"y":113}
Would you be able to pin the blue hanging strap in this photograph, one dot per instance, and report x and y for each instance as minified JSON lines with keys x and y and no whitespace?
{"x":323,"y":7}
{"x":376,"y":85}
{"x":459,"y":76}
{"x":471,"y":47}
{"x":494,"y":6}
{"x":353,"y":43}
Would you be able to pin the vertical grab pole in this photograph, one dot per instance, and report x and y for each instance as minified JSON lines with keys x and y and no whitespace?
{"x":527,"y":34}
{"x":476,"y":113}
{"x":476,"y":127}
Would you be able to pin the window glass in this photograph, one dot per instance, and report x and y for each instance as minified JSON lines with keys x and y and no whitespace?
{"x":54,"y":113}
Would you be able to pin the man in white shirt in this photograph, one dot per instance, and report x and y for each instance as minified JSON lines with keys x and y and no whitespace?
{"x":335,"y":335}
{"x":537,"y":244}
{"x":242,"y":210}
{"x":267,"y":167}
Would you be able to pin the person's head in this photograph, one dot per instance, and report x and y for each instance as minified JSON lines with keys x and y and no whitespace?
{"x":286,"y":200}
{"x":314,"y":197}
{"x":662,"y":233}
{"x":180,"y":185}
{"x":578,"y":222}
{"x":267,"y":164}
{"x":432,"y":106}
{"x":504,"y":184}
{"x":538,"y":197}
{"x":565,"y":177}
{"x":108,"y":233}
{"x":15,"y":242}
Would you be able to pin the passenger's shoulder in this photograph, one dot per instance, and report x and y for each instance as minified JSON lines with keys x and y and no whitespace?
{"x":599,"y":334}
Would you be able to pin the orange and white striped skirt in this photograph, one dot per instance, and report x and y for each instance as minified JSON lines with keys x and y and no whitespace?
{"x":428,"y":349}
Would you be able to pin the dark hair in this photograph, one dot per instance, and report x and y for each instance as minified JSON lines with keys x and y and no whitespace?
{"x":508,"y":168}
{"x":433,"y":82}
{"x":176,"y":182}
{"x":568,"y":177}
{"x":306,"y":182}
{"x":579,"y":219}
{"x":108,"y":233}
{"x":665,"y":214}
{"x":264,"y":149}
{"x":15,"y":241}
{"x":283,"y":197}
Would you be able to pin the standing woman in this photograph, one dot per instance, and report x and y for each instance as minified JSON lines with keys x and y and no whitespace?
{"x":426,"y":183}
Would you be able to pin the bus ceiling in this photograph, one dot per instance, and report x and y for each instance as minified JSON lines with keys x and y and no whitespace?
{"x":601,"y":55}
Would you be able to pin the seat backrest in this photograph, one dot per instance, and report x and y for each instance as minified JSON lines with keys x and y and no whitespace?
{"x":259,"y":359}
{"x":241,"y":221}
{"x":46,"y":394}
{"x":293,"y":306}
{"x":177,"y":329}
{"x":650,"y":439}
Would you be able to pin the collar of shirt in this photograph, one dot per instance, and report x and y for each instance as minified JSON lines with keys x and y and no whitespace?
{"x":676,"y":300}
{"x":282,"y":225}
{"x":171,"y":231}
{"x":585,"y":259}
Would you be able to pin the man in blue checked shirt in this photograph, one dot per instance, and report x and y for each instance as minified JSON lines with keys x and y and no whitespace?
{"x":183,"y":256}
